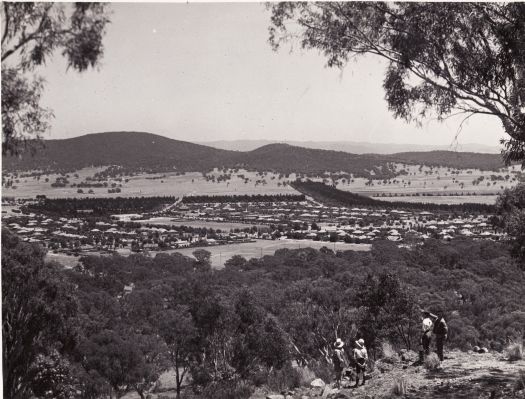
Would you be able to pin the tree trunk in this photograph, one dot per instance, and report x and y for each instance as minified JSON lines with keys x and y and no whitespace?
{"x":179,"y":380}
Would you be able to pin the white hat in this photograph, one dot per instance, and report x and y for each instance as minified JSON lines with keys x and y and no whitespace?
{"x":360,"y":342}
{"x":339,"y":343}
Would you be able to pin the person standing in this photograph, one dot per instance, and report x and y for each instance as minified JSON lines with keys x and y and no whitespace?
{"x":426,"y":336}
{"x":440,"y":330}
{"x":339,"y":361}
{"x":360,"y":358}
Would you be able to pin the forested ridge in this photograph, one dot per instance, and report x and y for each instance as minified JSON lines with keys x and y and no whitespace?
{"x":148,"y":152}
{"x":240,"y":327}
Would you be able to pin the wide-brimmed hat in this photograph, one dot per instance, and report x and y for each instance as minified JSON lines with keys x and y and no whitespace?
{"x":360,"y":343}
{"x":339,"y":343}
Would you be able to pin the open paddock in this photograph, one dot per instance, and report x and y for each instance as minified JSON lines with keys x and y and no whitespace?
{"x":450,"y":200}
{"x":221,"y":253}
{"x":159,"y":184}
{"x":433,"y":181}
{"x":225,"y":226}
{"x":68,"y":261}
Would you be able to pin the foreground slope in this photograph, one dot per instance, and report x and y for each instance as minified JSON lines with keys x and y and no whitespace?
{"x":463,"y":375}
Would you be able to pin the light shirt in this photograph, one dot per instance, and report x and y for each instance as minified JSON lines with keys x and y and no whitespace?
{"x":340,"y":353}
{"x":427,"y":324}
{"x":360,"y":353}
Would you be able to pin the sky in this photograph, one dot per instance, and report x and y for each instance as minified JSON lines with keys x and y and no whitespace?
{"x":204,"y":72}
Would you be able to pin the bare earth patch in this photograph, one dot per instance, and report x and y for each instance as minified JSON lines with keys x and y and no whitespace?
{"x":462,"y":376}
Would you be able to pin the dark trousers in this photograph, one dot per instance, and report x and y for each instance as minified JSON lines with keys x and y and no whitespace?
{"x":360,"y":367}
{"x":440,"y":341}
{"x":425,"y":346}
{"x":425,"y":341}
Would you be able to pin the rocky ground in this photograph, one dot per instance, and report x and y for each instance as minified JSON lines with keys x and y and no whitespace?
{"x":461,"y":375}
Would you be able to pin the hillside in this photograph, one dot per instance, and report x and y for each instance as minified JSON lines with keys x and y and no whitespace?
{"x":255,"y":319}
{"x":150,"y":152}
{"x":463,"y":375}
{"x":138,"y":151}
{"x":353,"y":147}
{"x":452,"y":159}
{"x":127,"y":149}
{"x":289,"y":159}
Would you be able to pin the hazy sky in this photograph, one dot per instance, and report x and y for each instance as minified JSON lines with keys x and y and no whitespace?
{"x":201,"y":72}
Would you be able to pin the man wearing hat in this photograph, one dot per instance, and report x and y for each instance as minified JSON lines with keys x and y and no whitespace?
{"x":360,"y":357}
{"x":339,"y":360}
{"x":440,"y":330}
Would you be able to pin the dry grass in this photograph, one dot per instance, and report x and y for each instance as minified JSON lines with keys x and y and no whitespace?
{"x":514,"y":351}
{"x":400,"y":387}
{"x":286,"y":378}
{"x":306,"y":375}
{"x":322,"y":370}
{"x":432,"y":362}
{"x":389,"y":353}
{"x":520,"y":381}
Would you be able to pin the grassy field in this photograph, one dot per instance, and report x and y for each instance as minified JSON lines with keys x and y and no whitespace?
{"x":226,"y":226}
{"x":68,"y":261}
{"x":144,"y":185}
{"x":221,"y":253}
{"x":435,"y":181}
{"x":418,"y":180}
{"x":451,"y":200}
{"x":260,"y":248}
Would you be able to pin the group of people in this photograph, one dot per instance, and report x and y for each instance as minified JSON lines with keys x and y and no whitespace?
{"x":341,"y":362}
{"x":433,"y":325}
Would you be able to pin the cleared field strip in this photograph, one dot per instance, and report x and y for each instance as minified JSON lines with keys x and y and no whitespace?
{"x":221,"y":253}
{"x":225,"y":226}
{"x":451,"y":200}
{"x":260,"y":248}
{"x":168,"y":184}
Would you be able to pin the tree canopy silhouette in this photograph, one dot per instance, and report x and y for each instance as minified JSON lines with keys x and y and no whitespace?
{"x":443,"y":58}
{"x":31,"y":33}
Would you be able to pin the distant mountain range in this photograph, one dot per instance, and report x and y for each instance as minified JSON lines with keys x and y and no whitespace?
{"x":353,"y":147}
{"x":154,"y":153}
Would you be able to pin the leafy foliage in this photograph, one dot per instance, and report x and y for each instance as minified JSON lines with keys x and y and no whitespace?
{"x":31,"y":33}
{"x":38,"y":307}
{"x":244,"y":325}
{"x":510,"y":208}
{"x":442,"y":58}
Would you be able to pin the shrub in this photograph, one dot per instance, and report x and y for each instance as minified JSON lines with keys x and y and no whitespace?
{"x":400,"y":387}
{"x":306,"y":376}
{"x":520,"y":382}
{"x":432,"y":362}
{"x":389,"y":353}
{"x":285,"y":378}
{"x":514,"y":351}
{"x":322,"y":370}
{"x":228,"y":390}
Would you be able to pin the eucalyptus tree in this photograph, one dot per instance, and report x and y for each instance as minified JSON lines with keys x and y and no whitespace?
{"x":443,"y":58}
{"x":32,"y":33}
